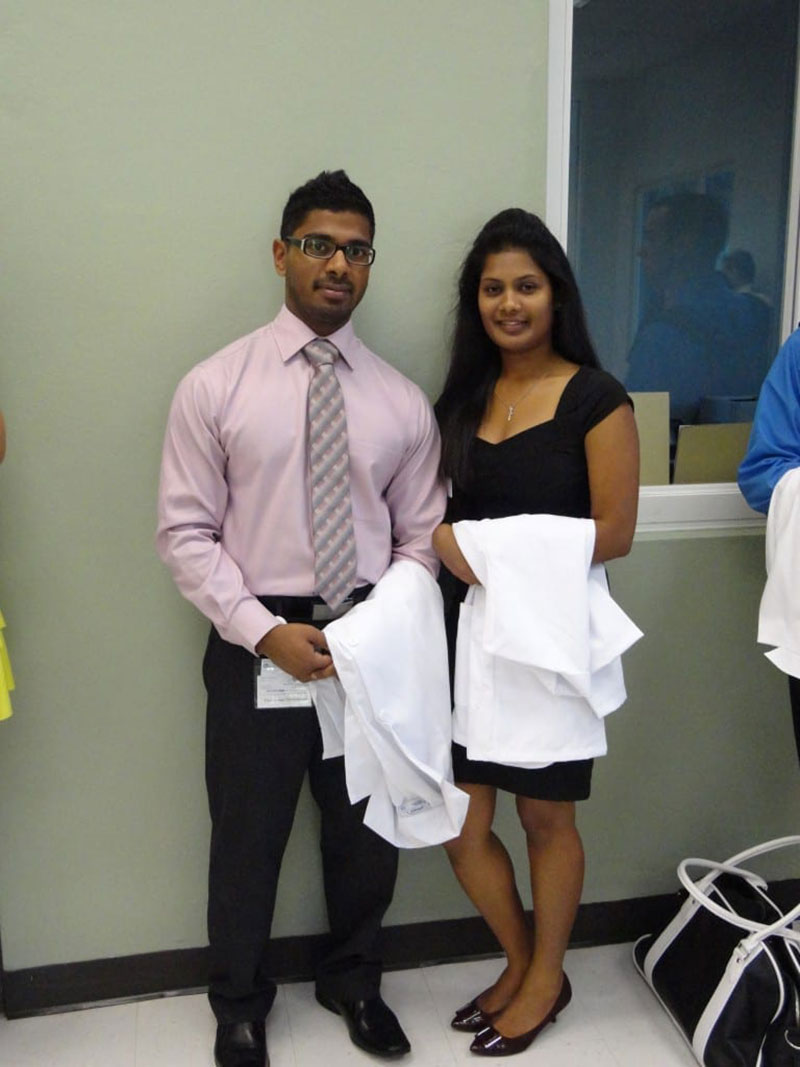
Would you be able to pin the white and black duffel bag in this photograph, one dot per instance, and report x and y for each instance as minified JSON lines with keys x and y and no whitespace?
{"x":726,"y":968}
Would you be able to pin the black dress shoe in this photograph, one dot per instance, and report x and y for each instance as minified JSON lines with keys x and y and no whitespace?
{"x":490,"y":1042}
{"x":372,"y":1024}
{"x":472,"y":1018}
{"x":241,"y":1045}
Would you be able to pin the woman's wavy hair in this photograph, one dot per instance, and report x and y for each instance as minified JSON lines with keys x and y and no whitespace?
{"x":474,"y":360}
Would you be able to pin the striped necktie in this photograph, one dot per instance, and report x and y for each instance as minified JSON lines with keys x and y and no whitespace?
{"x":329,"y":477}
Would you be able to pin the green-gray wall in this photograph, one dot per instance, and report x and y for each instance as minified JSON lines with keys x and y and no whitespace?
{"x":148,"y":149}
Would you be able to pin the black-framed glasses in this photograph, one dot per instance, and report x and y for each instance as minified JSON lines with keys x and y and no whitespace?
{"x":320,"y":246}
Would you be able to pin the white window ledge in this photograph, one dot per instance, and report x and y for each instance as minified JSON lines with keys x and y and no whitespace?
{"x":695,"y":511}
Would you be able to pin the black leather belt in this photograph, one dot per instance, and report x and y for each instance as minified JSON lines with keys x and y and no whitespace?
{"x":313,"y":608}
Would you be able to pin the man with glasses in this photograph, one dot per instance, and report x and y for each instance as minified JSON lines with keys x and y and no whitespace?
{"x":297,"y":465}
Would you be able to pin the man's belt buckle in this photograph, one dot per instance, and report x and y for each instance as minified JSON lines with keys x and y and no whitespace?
{"x":325,"y":613}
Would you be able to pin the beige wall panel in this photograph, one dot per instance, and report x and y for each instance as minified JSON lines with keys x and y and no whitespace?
{"x":148,"y":149}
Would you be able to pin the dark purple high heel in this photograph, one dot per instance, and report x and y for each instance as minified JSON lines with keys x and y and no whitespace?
{"x":472,"y":1018}
{"x":488,"y":1042}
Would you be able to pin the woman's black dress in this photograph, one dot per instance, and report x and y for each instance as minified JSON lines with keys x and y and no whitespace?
{"x":538,"y":471}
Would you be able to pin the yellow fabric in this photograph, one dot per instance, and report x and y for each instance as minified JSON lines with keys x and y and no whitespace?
{"x":6,"y":676}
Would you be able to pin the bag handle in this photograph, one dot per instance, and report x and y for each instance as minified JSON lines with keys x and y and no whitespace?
{"x":748,"y":854}
{"x":766,"y":846}
{"x":699,"y":891}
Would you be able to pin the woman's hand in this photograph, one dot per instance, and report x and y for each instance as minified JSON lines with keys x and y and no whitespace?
{"x":446,"y":548}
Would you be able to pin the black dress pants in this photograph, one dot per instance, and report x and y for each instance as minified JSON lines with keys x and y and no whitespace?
{"x":255,"y":764}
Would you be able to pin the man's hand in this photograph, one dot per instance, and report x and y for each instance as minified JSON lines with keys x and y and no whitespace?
{"x":300,"y":650}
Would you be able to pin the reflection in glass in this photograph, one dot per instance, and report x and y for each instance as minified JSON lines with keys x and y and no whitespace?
{"x":682,"y":126}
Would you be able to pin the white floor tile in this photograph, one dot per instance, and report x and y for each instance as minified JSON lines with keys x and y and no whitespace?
{"x":624,"y":1011}
{"x":409,"y":996}
{"x":317,"y":1036}
{"x":280,"y":1038}
{"x":453,"y":985}
{"x":613,"y":1021}
{"x":174,"y":1032}
{"x":72,"y":1039}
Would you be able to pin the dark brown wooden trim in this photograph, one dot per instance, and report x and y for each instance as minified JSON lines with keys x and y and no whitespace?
{"x":62,"y":987}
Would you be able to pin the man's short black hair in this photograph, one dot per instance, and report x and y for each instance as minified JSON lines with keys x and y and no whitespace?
{"x":331,"y":190}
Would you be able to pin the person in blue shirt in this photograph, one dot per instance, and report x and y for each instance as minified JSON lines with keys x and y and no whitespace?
{"x":773,"y":450}
{"x":774,"y":446}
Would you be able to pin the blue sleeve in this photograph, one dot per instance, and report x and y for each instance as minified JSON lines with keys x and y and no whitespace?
{"x":774,"y":446}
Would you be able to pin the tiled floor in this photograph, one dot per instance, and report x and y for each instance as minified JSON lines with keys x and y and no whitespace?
{"x":613,"y":1021}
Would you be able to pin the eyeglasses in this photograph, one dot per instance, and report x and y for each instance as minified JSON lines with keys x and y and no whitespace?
{"x":319,"y":246}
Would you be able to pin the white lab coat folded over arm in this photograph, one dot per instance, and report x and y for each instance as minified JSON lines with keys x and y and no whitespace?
{"x":389,"y":713}
{"x":539,"y":643}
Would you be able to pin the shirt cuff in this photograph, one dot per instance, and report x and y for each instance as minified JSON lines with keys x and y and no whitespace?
{"x":248,"y":624}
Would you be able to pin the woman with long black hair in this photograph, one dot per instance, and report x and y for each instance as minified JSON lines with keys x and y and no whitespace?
{"x":530,"y":426}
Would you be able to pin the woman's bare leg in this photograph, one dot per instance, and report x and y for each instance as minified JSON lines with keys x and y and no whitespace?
{"x":484,"y":869}
{"x":555,"y":853}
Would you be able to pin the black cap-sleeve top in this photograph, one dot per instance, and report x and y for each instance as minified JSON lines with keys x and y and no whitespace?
{"x":541,"y":470}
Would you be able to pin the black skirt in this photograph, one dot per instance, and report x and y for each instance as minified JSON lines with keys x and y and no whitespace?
{"x":570,"y":780}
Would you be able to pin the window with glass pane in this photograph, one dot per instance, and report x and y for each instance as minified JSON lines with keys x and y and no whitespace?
{"x":682,"y":123}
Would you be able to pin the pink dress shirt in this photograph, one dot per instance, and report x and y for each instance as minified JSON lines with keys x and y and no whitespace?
{"x":233,"y":509}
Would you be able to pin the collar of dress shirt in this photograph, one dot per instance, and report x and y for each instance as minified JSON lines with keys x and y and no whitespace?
{"x":291,"y":334}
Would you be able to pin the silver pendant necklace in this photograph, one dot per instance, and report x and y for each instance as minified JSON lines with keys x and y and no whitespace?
{"x":511,"y":408}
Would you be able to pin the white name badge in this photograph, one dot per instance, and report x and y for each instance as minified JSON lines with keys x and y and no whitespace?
{"x":277,"y":689}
